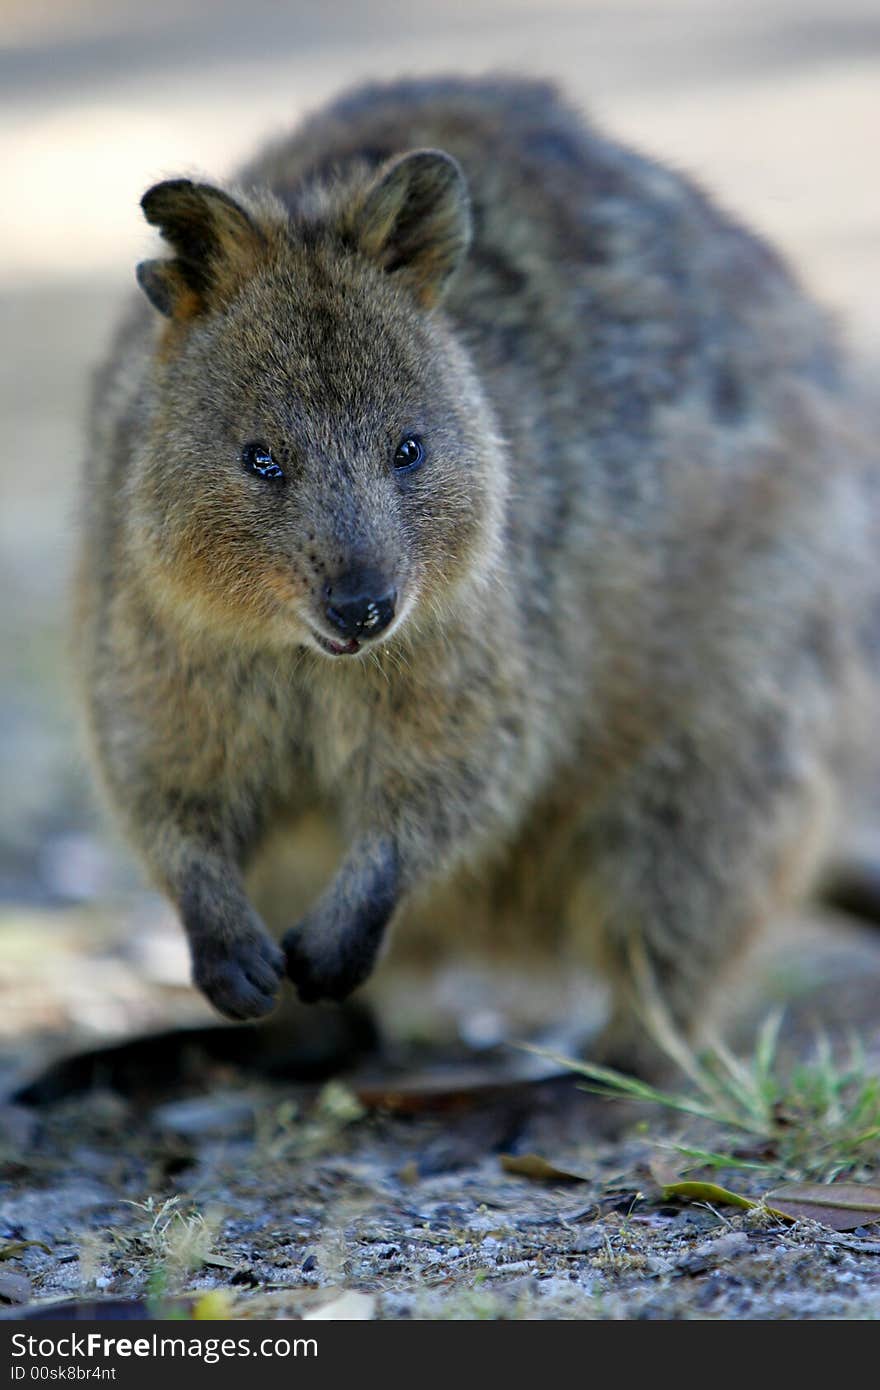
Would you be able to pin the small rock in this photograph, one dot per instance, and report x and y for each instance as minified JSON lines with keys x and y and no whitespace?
{"x":310,"y":1264}
{"x":711,"y":1252}
{"x":205,"y":1117}
{"x":14,"y":1288}
{"x":593,"y":1238}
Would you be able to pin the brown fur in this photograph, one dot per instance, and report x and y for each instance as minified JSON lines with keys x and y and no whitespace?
{"x":628,"y":658}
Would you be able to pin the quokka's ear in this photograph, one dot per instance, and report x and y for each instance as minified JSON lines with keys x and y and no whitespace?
{"x":216,"y":243}
{"x":415,"y":221}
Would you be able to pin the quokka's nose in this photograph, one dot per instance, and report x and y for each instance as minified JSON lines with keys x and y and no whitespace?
{"x":360,"y":604}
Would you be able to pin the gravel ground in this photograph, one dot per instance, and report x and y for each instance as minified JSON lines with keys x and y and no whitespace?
{"x":418,"y":1216}
{"x":283,"y":1169}
{"x":289,"y":1199}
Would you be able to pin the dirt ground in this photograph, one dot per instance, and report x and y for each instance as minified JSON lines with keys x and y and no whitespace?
{"x":192,"y":1164}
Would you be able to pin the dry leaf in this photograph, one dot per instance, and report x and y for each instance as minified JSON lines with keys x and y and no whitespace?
{"x":9,"y":1252}
{"x":214,"y":1305}
{"x":707,"y":1192}
{"x":534,"y":1166}
{"x":454,"y":1087}
{"x":839,"y":1205}
{"x":350,"y":1306}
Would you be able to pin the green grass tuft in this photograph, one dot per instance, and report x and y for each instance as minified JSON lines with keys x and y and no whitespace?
{"x":818,"y":1119}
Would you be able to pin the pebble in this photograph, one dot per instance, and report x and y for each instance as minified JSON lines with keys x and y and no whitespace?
{"x":711,"y":1252}
{"x":14,"y":1288}
{"x":205,"y":1117}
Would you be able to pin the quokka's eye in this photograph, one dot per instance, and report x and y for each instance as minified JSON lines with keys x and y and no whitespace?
{"x":409,"y":454}
{"x":257,"y":458}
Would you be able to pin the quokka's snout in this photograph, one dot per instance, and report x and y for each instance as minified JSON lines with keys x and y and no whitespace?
{"x":361,"y":603}
{"x":356,"y":608}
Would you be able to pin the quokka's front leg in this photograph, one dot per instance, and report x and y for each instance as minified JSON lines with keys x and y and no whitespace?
{"x":235,"y":962}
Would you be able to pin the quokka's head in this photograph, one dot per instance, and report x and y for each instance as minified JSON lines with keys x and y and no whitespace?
{"x":318,"y":464}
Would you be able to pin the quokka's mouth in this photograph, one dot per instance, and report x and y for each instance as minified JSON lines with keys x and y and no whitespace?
{"x":366,"y":641}
{"x":336,"y":648}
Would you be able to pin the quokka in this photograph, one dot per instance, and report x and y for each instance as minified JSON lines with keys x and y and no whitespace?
{"x":472,"y":482}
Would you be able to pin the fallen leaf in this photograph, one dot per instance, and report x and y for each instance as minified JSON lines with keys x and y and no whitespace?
{"x":454,"y":1087}
{"x":350,"y":1306}
{"x":534,"y":1166}
{"x":839,"y":1205}
{"x":707,"y":1192}
{"x":214,"y":1305}
{"x":9,"y":1252}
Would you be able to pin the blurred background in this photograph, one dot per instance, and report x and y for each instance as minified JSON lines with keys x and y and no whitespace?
{"x":772,"y":104}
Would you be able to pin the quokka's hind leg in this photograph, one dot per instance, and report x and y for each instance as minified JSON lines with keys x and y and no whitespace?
{"x":698,"y":853}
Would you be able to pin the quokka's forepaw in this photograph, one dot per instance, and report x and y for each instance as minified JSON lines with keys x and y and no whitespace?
{"x":240,"y":978}
{"x":321,"y":976}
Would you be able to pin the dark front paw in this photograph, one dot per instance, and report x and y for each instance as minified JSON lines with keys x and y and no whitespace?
{"x":322,"y":975}
{"x":241,"y":977}
{"x":334,"y":948}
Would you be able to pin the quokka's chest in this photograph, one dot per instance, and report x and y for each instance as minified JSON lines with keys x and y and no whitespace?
{"x":345,"y":733}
